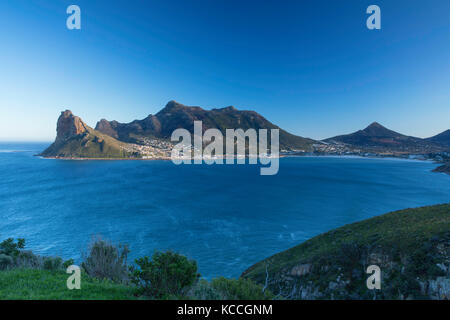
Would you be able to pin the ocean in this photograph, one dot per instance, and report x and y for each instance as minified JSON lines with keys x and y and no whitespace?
{"x":226,"y":217}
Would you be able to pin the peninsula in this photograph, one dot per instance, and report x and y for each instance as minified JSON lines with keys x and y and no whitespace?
{"x":149,"y":138}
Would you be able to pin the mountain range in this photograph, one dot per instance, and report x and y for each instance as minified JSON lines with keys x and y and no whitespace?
{"x":151,"y":136}
{"x":175,"y":115}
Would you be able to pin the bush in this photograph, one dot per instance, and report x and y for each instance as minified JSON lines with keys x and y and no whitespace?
{"x":52,"y":263}
{"x":5,"y":261}
{"x":28,"y":260}
{"x":68,"y":263}
{"x":167,"y":275}
{"x":10,"y":248}
{"x":107,"y":261}
{"x":240,"y":289}
{"x":229,"y":289}
{"x":203,"y":290}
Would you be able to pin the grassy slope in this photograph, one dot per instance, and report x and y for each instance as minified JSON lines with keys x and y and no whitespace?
{"x":92,"y":144}
{"x":405,"y":229}
{"x":51,"y":285}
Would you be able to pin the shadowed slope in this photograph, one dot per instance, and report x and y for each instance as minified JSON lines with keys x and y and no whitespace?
{"x":175,"y":115}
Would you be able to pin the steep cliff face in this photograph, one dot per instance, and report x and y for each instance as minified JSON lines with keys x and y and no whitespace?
{"x":411,"y":247}
{"x":105,"y":127}
{"x":68,"y":126}
{"x":75,"y":139}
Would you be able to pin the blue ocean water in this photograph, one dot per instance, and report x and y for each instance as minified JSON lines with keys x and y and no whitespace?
{"x":227,"y":217}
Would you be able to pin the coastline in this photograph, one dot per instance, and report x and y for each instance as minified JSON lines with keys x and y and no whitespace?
{"x":120,"y":159}
{"x":440,"y":167}
{"x":98,"y":159}
{"x":280,"y":156}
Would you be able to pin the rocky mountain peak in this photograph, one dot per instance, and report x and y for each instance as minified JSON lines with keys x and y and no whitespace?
{"x":105,"y":126}
{"x":68,"y":126}
{"x":229,"y":108}
{"x":375,"y":125}
{"x":172,"y":104}
{"x":377,"y":130}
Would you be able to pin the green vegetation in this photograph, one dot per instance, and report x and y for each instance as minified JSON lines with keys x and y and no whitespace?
{"x":107,"y":261}
{"x":9,"y":251}
{"x":229,"y":289}
{"x":105,"y":275}
{"x":89,"y":144}
{"x":409,"y":245}
{"x":240,"y":289}
{"x":166,"y":275}
{"x":34,"y":284}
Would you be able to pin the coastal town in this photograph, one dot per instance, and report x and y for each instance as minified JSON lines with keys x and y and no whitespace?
{"x":161,"y":149}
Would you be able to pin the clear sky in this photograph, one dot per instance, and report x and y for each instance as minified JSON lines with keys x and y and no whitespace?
{"x":311,"y":67}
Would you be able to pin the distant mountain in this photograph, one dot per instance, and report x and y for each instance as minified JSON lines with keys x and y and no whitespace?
{"x":175,"y":115}
{"x":441,"y":138}
{"x":75,"y":139}
{"x":375,"y":135}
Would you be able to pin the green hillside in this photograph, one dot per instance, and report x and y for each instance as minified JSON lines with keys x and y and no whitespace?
{"x":90,"y":144}
{"x":32,"y":284}
{"x":412,"y":247}
{"x":75,"y":139}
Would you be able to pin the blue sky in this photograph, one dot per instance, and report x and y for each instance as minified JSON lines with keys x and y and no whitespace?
{"x":311,"y":67}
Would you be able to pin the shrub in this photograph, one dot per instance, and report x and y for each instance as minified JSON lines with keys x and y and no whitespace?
{"x":107,"y":261}
{"x":11,"y":248}
{"x":68,"y":263}
{"x":229,"y":289}
{"x":240,"y":289}
{"x":52,"y":263}
{"x":5,"y":261}
{"x":28,"y":260}
{"x":167,"y":275}
{"x":203,"y":290}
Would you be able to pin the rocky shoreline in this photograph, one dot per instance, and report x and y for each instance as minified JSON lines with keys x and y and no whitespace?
{"x":445,"y":168}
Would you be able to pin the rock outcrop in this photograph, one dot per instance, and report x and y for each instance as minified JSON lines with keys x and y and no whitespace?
{"x":69,"y":126}
{"x":75,"y":139}
{"x":106,"y":127}
{"x":445,"y":168}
